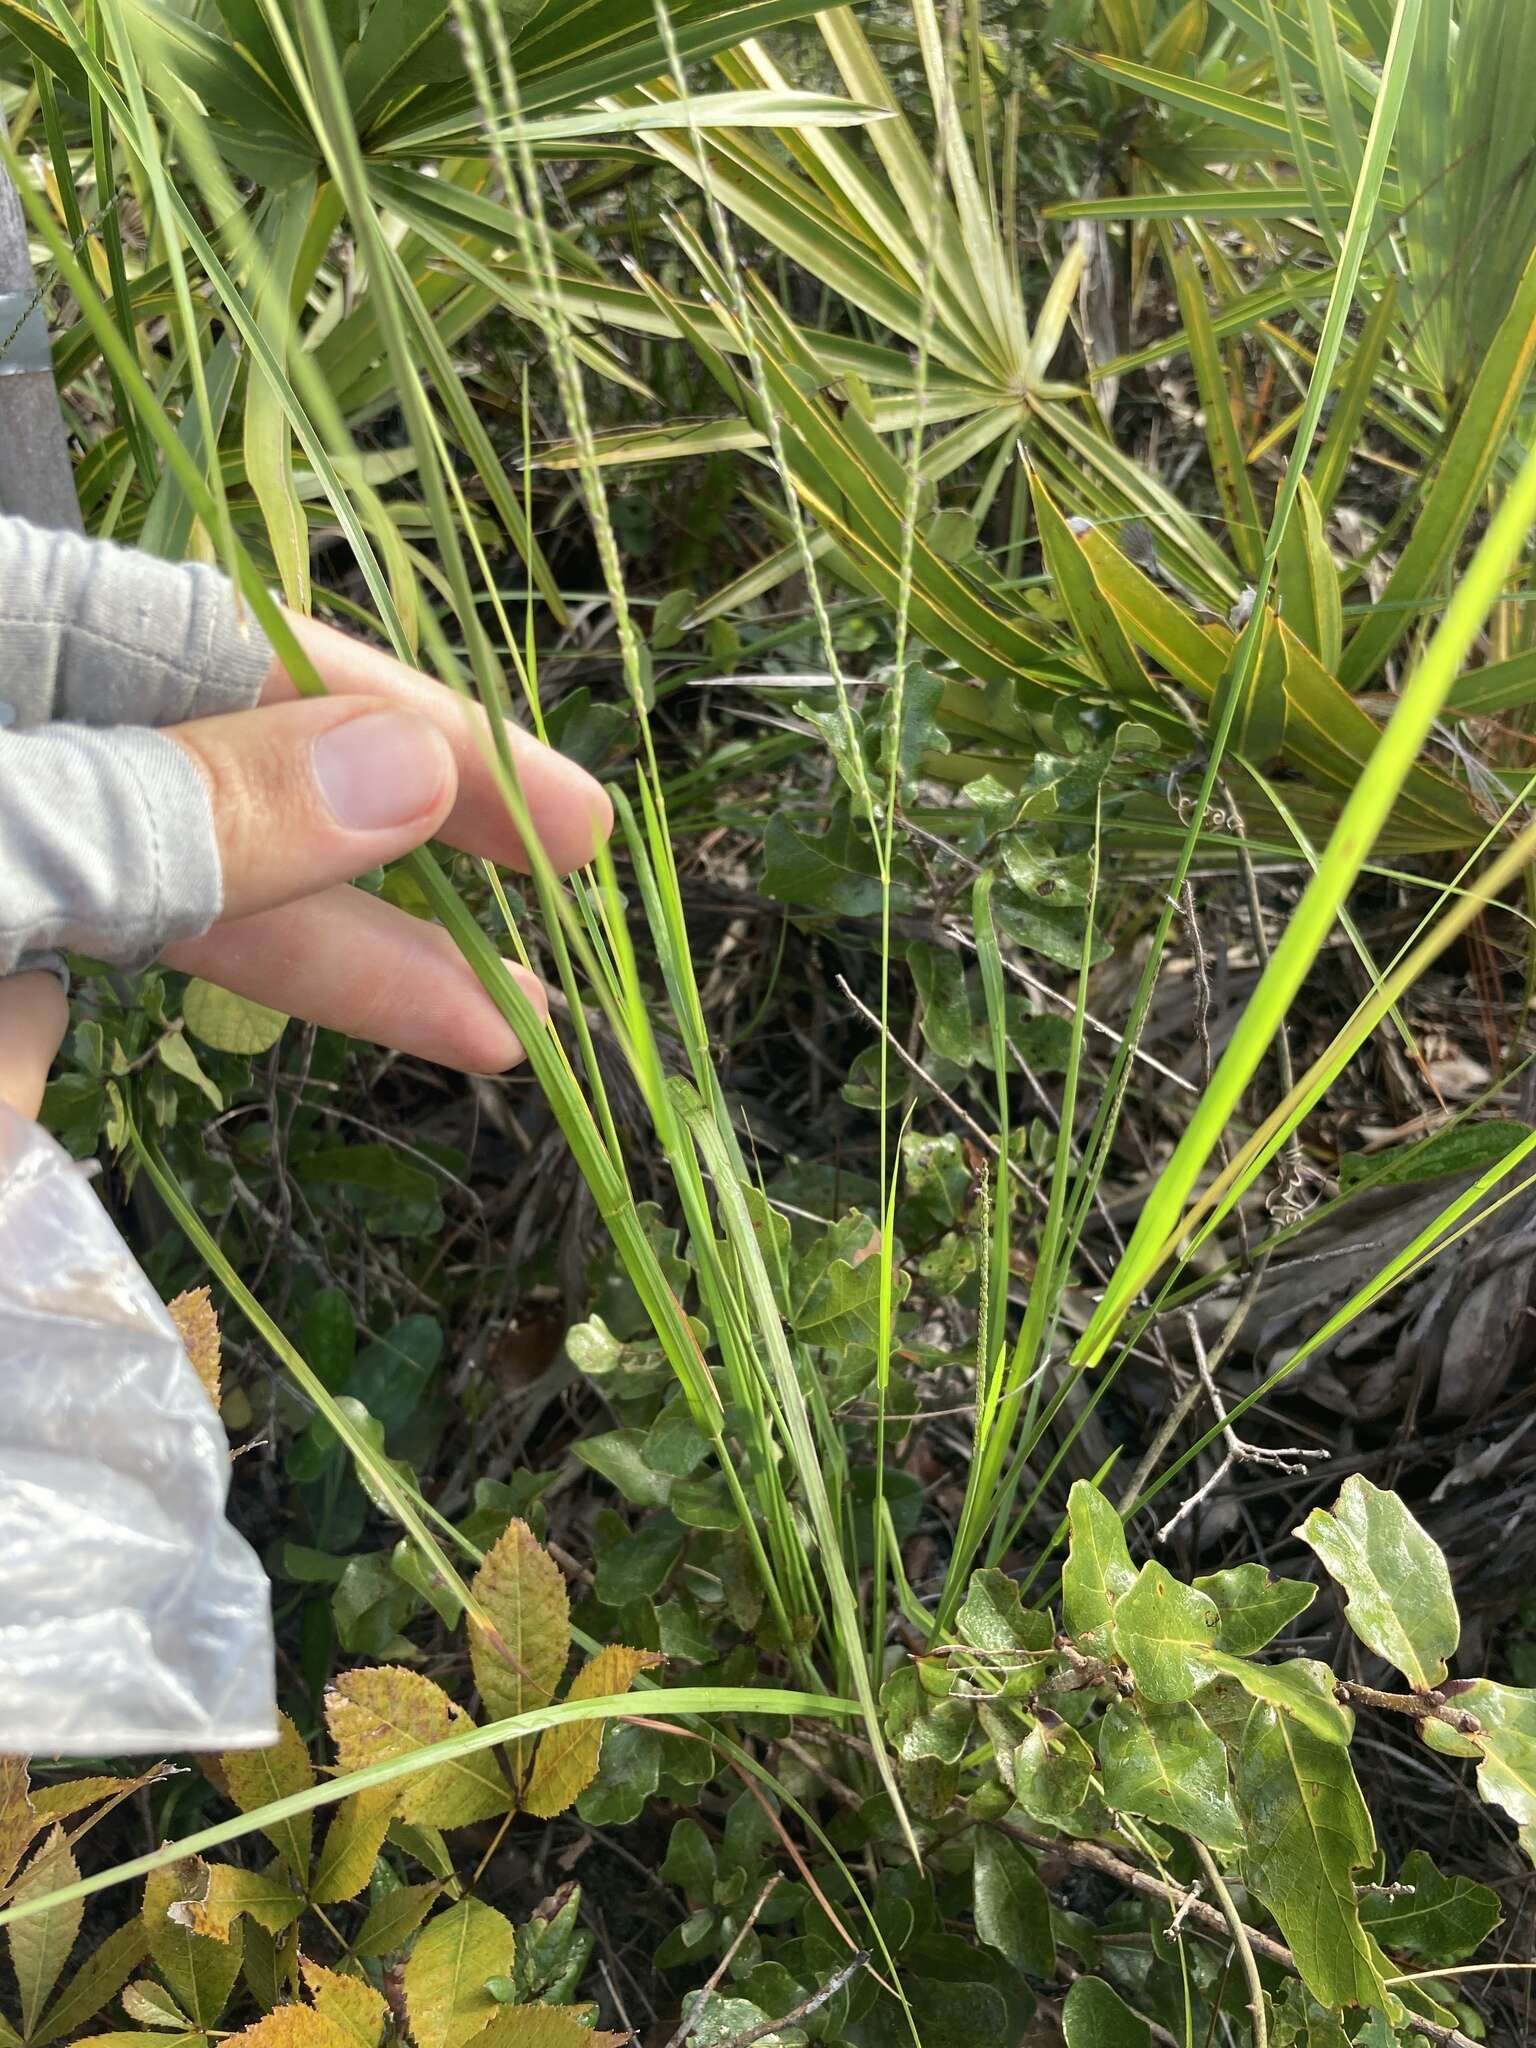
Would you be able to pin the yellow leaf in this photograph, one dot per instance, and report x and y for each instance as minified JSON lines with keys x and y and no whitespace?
{"x":18,"y":1818}
{"x":352,"y":1844}
{"x":199,"y":1971}
{"x":389,"y":1711}
{"x":445,"y":1978}
{"x":64,"y":1801}
{"x":543,"y":2026}
{"x":40,"y":1946}
{"x":228,"y":1891}
{"x":351,"y":2003}
{"x":134,"y":2039}
{"x":522,"y":1589}
{"x":292,"y":2026}
{"x":393,"y":1919}
{"x":197,"y":1325}
{"x":100,"y":1977}
{"x":568,"y":1755}
{"x":255,"y":1777}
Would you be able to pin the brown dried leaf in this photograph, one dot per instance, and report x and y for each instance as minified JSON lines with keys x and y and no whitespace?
{"x":18,"y":1816}
{"x":255,"y":1777}
{"x":568,"y":1756}
{"x":522,"y":1589}
{"x":197,"y":1325}
{"x":387,"y":1712}
{"x":445,"y":1978}
{"x":351,"y":2003}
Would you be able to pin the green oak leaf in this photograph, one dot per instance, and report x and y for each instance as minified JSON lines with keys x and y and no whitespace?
{"x":1444,"y":1921}
{"x":1302,"y":1688}
{"x":1254,"y":1607}
{"x":1052,"y":1777}
{"x":1095,"y":2016}
{"x":918,"y":1725}
{"x":1399,"y":1598}
{"x":1010,"y":1906}
{"x":835,"y":1287}
{"x":837,"y":871}
{"x":1505,"y":1744}
{"x":945,"y":1015}
{"x":1164,"y":1630}
{"x":230,"y":1023}
{"x":993,"y":1616}
{"x":1098,"y":1572}
{"x":1164,"y":1763}
{"x":1307,"y":1835}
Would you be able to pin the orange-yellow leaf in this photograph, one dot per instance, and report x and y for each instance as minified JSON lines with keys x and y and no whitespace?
{"x":568,"y":1756}
{"x":255,"y":1777}
{"x":522,"y":1589}
{"x":387,"y":1712}
{"x":228,"y":1891}
{"x":292,"y":2026}
{"x":543,"y":2026}
{"x":197,"y":1325}
{"x":445,"y":1978}
{"x":351,"y":2003}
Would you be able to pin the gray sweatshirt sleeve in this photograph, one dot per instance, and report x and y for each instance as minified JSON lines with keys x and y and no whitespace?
{"x":96,"y":634}
{"x":107,"y":841}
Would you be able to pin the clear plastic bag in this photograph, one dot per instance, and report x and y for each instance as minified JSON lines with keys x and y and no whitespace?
{"x":132,"y":1616}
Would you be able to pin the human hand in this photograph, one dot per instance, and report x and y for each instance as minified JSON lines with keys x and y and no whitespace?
{"x":306,"y":795}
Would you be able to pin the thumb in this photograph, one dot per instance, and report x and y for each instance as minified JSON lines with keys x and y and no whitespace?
{"x":33,"y":1018}
{"x":307,"y":795}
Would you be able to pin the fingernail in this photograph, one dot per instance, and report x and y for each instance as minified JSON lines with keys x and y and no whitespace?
{"x":381,"y":770}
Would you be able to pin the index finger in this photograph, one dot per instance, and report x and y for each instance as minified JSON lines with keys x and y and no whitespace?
{"x":571,"y":814}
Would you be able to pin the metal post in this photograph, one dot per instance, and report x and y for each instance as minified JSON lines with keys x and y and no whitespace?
{"x":36,"y":480}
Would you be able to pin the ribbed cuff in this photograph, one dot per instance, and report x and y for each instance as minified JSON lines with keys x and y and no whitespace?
{"x":107,"y":846}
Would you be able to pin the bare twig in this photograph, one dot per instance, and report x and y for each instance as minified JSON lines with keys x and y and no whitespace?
{"x":807,"y":2006}
{"x":1292,"y":1459}
{"x":958,"y":936}
{"x":1435,"y":1705}
{"x":1173,"y":1421}
{"x":1190,"y":1898}
{"x":1197,"y":1910}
